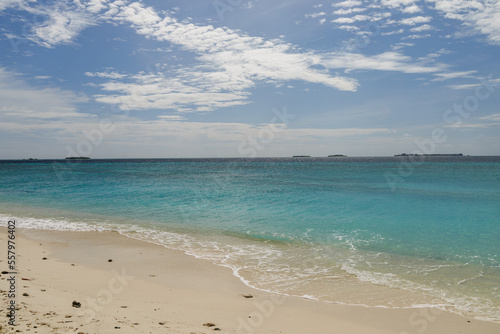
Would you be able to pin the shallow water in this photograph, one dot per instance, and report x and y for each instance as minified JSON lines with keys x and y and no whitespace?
{"x":329,"y":229}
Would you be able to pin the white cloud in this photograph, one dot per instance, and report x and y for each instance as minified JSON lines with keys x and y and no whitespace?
{"x":357,"y":18}
{"x":109,"y":75}
{"x":58,"y":23}
{"x":393,"y":32}
{"x":25,"y":107}
{"x":489,"y":121}
{"x":424,"y":27}
{"x":229,"y":64}
{"x":50,"y":113}
{"x":155,"y":91}
{"x":470,"y":125}
{"x":231,"y":134}
{"x":379,"y":16}
{"x":397,"y":3}
{"x":344,"y":20}
{"x":464,"y":86}
{"x":236,"y":56}
{"x":348,"y":28}
{"x":399,"y":46}
{"x":413,"y":9}
{"x":172,"y":117}
{"x":95,"y":6}
{"x":60,"y":28}
{"x":484,"y":122}
{"x":493,"y":82}
{"x":349,"y":11}
{"x":387,"y":61}
{"x":4,"y":4}
{"x":479,"y":16}
{"x":493,"y":117}
{"x":362,"y":17}
{"x":416,"y":36}
{"x":415,"y":20}
{"x":454,"y":75}
{"x":348,"y":3}
{"x":405,"y":6}
{"x":315,"y":15}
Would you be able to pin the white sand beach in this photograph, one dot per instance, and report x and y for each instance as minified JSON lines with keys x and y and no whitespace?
{"x":122,"y":285}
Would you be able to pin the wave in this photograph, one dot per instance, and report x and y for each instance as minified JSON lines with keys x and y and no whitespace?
{"x":319,"y":272}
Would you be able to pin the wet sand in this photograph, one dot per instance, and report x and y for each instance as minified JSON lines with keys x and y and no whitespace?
{"x":103,"y":282}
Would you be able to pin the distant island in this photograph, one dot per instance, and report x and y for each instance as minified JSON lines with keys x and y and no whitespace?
{"x":301,"y":156}
{"x":429,"y":155}
{"x":77,"y":158}
{"x":337,"y":156}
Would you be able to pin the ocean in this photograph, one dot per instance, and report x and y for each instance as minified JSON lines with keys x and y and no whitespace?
{"x":397,"y":232}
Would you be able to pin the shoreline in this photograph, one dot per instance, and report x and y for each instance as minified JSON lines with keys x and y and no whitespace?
{"x":149,"y":288}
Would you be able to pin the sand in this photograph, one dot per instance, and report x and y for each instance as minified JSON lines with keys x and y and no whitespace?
{"x":102,"y":282}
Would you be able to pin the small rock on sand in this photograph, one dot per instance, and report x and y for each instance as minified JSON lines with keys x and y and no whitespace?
{"x":77,"y":304}
{"x":209,"y":324}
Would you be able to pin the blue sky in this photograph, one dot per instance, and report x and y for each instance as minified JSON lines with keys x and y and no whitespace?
{"x":236,"y":78}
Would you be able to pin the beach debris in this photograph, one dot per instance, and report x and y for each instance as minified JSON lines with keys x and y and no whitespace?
{"x":217,"y":329}
{"x":161,"y":323}
{"x":209,"y":324}
{"x":25,"y":294}
{"x":247,"y":296}
{"x":110,"y":260}
{"x":117,"y":327}
{"x":123,"y":306}
{"x":44,"y":258}
{"x":76,"y":304}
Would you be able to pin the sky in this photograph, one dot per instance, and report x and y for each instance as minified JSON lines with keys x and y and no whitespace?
{"x":238,"y":78}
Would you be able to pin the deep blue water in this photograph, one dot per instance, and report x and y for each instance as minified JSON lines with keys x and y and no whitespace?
{"x":435,"y":232}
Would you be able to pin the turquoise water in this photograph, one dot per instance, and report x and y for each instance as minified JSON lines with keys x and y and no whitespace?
{"x":329,"y":229}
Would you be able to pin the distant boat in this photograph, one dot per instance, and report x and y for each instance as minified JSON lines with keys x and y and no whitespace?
{"x":301,"y":156}
{"x":78,"y":158}
{"x":337,"y":156}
